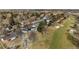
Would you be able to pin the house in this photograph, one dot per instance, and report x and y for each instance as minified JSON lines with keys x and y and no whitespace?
{"x":34,"y":27}
{"x":47,"y":21}
{"x":24,"y":30}
{"x":9,"y":36}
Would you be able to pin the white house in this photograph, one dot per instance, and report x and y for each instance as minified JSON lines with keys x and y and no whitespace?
{"x":47,"y":21}
{"x":34,"y":28}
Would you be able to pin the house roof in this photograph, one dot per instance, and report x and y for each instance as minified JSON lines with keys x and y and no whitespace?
{"x":9,"y":36}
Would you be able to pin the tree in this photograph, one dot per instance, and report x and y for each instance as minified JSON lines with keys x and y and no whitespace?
{"x":41,"y":26}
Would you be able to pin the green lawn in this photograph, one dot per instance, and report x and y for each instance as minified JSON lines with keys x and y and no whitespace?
{"x":59,"y":39}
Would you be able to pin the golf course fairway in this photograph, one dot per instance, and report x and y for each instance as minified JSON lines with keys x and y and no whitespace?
{"x":59,"y":38}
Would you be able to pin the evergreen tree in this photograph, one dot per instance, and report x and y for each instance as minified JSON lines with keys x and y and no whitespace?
{"x":41,"y":26}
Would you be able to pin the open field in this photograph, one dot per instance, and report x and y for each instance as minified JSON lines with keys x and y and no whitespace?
{"x":59,"y":39}
{"x":56,"y":38}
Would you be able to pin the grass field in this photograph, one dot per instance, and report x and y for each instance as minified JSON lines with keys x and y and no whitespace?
{"x":42,"y":41}
{"x":59,"y":38}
